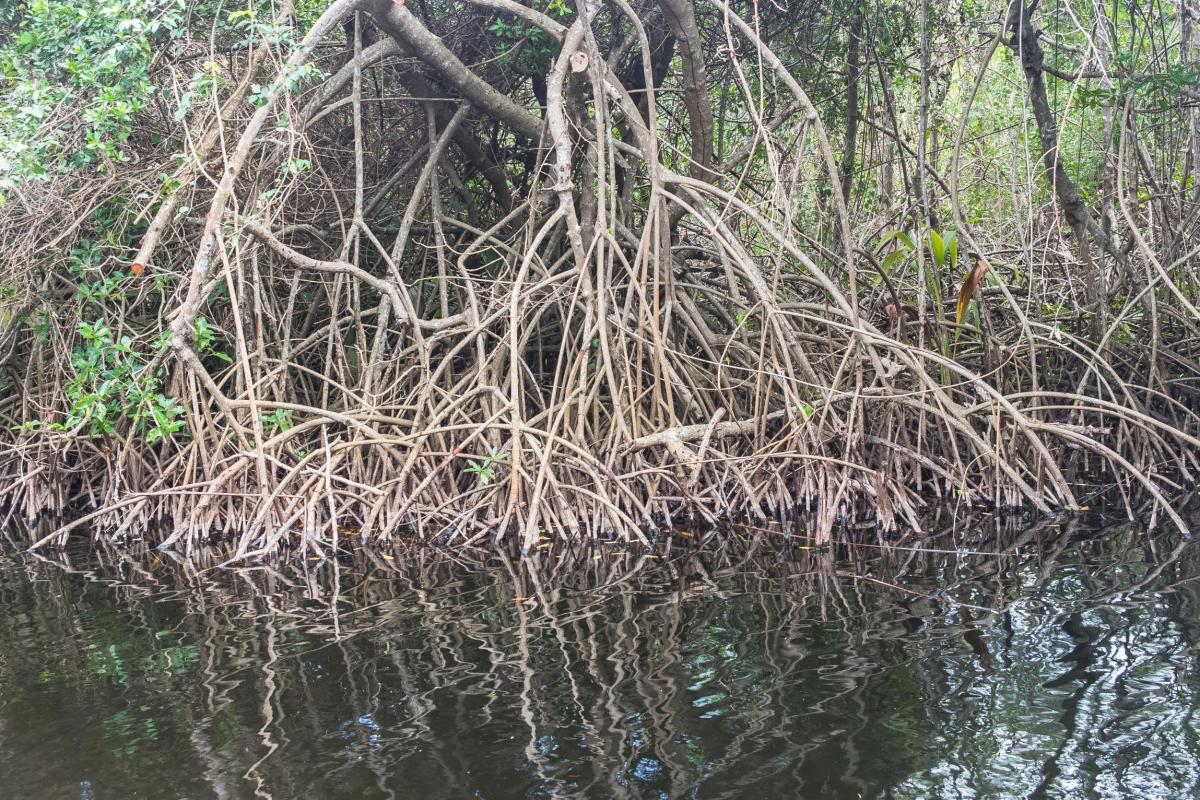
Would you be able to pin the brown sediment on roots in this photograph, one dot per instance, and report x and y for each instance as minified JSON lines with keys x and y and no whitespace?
{"x":568,"y":329}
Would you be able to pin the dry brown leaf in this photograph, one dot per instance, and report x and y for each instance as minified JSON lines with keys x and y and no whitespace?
{"x":970,"y":285}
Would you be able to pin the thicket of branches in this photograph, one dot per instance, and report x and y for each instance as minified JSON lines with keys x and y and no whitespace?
{"x":474,"y":267}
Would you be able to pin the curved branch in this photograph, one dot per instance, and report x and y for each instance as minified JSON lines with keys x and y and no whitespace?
{"x":530,"y":15}
{"x":181,"y":328}
{"x":400,"y":23}
{"x":298,"y":259}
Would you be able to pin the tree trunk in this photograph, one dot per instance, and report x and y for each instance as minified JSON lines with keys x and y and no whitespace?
{"x":1189,"y":15}
{"x":681,"y":19}
{"x":1025,"y":42}
{"x":853,"y":69}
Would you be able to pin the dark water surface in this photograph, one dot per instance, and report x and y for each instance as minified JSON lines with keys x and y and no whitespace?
{"x":1054,"y":662}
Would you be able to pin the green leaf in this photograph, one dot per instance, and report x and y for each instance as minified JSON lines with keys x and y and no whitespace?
{"x":901,"y":236}
{"x":938,"y":246}
{"x":891,"y":258}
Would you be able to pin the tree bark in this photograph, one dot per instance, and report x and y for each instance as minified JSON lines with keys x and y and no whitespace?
{"x":681,"y":19}
{"x":853,"y":71}
{"x":1189,"y":15}
{"x":1025,"y":43}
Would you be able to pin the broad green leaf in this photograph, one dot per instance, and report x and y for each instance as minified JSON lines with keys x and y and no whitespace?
{"x":903,"y":237}
{"x":939,"y":248}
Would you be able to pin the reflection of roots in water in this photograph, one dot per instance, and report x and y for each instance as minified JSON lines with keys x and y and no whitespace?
{"x":609,"y":664}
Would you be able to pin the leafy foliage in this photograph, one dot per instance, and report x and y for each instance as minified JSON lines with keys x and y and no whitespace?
{"x":484,"y":467}
{"x":108,"y":386}
{"x":76,"y":75}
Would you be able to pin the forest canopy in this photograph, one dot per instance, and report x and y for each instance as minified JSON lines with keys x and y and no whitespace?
{"x":289,"y":271}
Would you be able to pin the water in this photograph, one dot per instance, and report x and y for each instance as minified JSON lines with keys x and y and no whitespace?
{"x":1054,"y":662}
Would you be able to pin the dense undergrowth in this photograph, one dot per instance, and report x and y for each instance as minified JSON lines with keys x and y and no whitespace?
{"x":449,"y":269}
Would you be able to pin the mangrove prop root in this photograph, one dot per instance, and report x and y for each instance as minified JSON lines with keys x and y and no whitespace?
{"x":484,"y":312}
